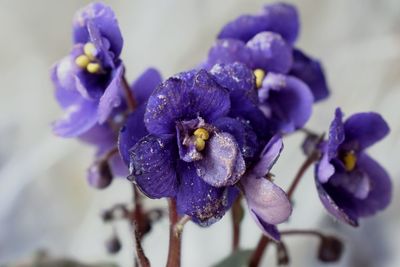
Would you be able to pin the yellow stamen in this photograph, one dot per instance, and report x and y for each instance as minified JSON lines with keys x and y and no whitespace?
{"x":200,"y":144}
{"x":93,"y":67}
{"x":90,"y":51}
{"x":350,"y":160}
{"x":82,"y":61}
{"x":260,"y":74}
{"x":202,"y":133}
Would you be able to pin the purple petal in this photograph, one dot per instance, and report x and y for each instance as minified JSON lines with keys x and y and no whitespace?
{"x":336,"y":134}
{"x":285,"y":100}
{"x":364,"y":129}
{"x":311,"y":72}
{"x":356,"y":183}
{"x":222,"y":163}
{"x":341,"y":213}
{"x":244,"y":135}
{"x":281,"y":18}
{"x":236,"y":77}
{"x":178,"y":99}
{"x":270,"y":52}
{"x":133,"y":130}
{"x":380,"y":193}
{"x":324,"y":169}
{"x":104,"y":19}
{"x":152,"y":167}
{"x":268,"y":156}
{"x":228,"y":51}
{"x":266,"y":199}
{"x":204,"y":203}
{"x":145,"y":84}
{"x":186,"y":140}
{"x":78,"y":118}
{"x":269,"y":230}
{"x":112,"y":97}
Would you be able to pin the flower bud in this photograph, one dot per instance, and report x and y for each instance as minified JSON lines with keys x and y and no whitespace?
{"x":113,"y":245}
{"x":282,"y":254}
{"x":99,"y":174}
{"x":330,"y":249}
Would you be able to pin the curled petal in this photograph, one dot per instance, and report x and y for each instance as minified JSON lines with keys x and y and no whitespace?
{"x":228,"y":51}
{"x":204,"y":203}
{"x":222,"y":163}
{"x":311,"y":72}
{"x":286,"y":101}
{"x":362,"y":130}
{"x":78,"y":118}
{"x":112,"y":97}
{"x":270,"y":52}
{"x":268,"y":156}
{"x":268,"y":229}
{"x":103,"y":18}
{"x":266,"y":199}
{"x":152,"y":167}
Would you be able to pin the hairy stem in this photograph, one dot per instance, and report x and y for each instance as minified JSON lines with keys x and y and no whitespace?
{"x":174,"y":253}
{"x":237,"y":216}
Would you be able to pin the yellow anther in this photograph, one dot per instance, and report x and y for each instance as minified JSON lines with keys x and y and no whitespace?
{"x":82,"y":61}
{"x":202,"y":133}
{"x":93,"y":67}
{"x":200,"y":144}
{"x":260,"y":74}
{"x":350,"y":160}
{"x":90,"y":51}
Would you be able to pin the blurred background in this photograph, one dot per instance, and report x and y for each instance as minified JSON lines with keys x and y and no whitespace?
{"x":45,"y":202}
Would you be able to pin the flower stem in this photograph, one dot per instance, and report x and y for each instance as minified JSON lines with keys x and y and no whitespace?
{"x":264,"y":240}
{"x":174,"y":253}
{"x":128,"y":94}
{"x":138,"y":226}
{"x":237,"y":216}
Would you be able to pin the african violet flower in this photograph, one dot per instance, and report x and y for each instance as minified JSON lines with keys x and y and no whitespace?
{"x":350,"y":183}
{"x":194,"y":151}
{"x":282,"y":20}
{"x":268,"y":203}
{"x":89,"y":80}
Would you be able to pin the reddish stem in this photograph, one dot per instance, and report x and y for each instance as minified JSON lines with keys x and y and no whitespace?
{"x":174,"y":253}
{"x":237,"y":215}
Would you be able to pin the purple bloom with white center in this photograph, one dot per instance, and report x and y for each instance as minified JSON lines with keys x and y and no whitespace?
{"x":194,"y":151}
{"x":89,"y":80}
{"x":268,"y":203}
{"x":265,"y":41}
{"x":350,"y":183}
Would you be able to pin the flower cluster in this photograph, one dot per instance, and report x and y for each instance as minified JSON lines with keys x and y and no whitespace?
{"x":210,"y":135}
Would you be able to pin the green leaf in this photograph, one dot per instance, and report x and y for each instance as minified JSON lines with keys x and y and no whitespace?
{"x":238,"y":259}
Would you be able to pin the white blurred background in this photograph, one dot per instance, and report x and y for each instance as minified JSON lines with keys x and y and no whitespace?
{"x":45,"y":202}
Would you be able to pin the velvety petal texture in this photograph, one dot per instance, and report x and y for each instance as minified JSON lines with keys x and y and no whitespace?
{"x":204,"y":203}
{"x":286,"y":101}
{"x":152,"y":167}
{"x":349,"y":182}
{"x":312,"y":73}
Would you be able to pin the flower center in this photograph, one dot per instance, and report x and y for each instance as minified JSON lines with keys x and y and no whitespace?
{"x":260,"y":75}
{"x":88,"y":59}
{"x":201,"y":136}
{"x":349,"y":160}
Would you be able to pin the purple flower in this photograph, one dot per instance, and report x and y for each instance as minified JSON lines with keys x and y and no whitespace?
{"x":194,"y":151}
{"x":89,"y":80}
{"x":350,"y":183}
{"x":265,"y":42}
{"x":268,"y":203}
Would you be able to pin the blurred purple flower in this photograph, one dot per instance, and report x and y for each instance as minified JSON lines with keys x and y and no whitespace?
{"x":350,"y":183}
{"x":89,"y":80}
